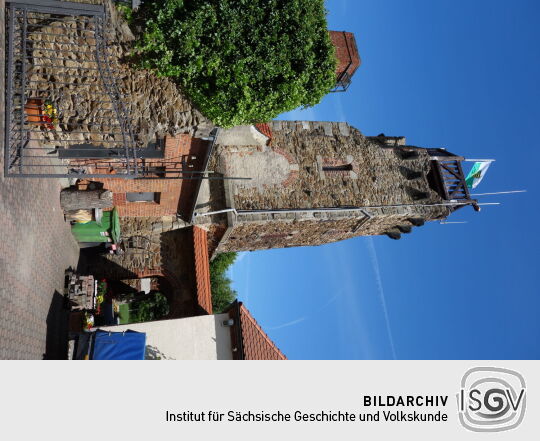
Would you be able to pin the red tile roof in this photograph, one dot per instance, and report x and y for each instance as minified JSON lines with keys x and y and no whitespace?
{"x":202,"y":269}
{"x":256,"y":345}
{"x":265,"y":130}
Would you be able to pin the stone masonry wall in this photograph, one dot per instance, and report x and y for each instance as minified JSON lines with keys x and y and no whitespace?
{"x":376,"y":179}
{"x":334,"y":166}
{"x":170,"y":256}
{"x":155,"y":106}
{"x":248,"y":235}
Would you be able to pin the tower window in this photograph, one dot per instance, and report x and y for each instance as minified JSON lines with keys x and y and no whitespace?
{"x":337,"y":168}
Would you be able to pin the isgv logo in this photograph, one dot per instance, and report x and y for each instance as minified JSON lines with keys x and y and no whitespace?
{"x":491,"y":399}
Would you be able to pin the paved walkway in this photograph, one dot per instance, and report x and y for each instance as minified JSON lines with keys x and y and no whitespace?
{"x":36,"y":246}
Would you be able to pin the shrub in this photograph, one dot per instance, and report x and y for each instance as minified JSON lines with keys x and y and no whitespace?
{"x":240,"y":61}
{"x":222,"y":293}
{"x":153,"y":306}
{"x":125,"y":11}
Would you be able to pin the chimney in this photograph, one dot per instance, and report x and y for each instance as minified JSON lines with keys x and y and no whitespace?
{"x":348,"y":58}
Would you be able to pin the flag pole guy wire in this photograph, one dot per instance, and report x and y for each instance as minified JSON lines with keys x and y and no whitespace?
{"x":499,"y":192}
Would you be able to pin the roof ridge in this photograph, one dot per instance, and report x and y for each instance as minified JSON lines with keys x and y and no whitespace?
{"x":202,"y":268}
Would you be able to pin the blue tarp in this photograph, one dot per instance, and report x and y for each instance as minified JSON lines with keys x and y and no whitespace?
{"x":128,"y":345}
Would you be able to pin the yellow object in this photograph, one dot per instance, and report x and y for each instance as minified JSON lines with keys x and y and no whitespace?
{"x":82,"y":216}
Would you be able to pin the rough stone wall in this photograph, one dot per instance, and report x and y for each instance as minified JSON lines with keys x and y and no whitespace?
{"x":377,"y":177}
{"x":322,"y":229}
{"x":155,"y":106}
{"x":279,"y":234}
{"x":215,"y":234}
{"x":333,"y":166}
{"x":129,"y":264}
{"x":142,"y":226}
{"x":171,"y":256}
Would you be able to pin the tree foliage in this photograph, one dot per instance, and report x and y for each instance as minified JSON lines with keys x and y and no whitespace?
{"x":240,"y":61}
{"x":222,"y":293}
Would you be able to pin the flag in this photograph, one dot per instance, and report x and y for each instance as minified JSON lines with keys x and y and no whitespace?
{"x":477,"y":173}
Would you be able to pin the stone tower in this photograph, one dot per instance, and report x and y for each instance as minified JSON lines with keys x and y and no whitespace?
{"x":310,"y":183}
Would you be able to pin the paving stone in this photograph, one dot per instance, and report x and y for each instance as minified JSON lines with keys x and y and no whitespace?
{"x":36,"y":247}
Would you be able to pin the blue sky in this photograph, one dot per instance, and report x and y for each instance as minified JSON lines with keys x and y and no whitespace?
{"x":462,"y":75}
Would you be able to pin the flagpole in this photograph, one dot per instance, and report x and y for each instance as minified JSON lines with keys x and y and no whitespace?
{"x":479,"y":160}
{"x":499,"y":192}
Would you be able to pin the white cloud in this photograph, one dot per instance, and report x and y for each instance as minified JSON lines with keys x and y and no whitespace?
{"x":286,"y":325}
{"x":339,"y":109}
{"x":302,"y":319}
{"x":380,"y":289}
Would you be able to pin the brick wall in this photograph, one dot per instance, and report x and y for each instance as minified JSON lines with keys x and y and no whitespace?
{"x":346,"y":52}
{"x":175,"y":195}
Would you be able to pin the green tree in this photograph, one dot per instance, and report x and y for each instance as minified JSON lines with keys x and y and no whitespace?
{"x":222,"y":293}
{"x":240,"y":61}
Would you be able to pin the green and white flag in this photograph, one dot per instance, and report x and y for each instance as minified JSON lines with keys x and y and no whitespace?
{"x":477,"y":173}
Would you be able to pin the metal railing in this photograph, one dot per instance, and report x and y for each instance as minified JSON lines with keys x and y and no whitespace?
{"x":342,"y":83}
{"x":63,"y":91}
{"x":453,"y":179}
